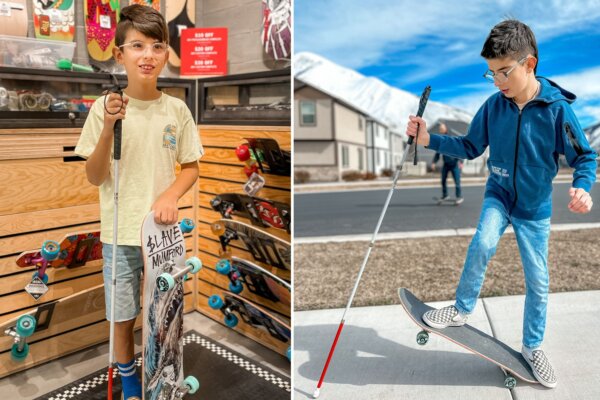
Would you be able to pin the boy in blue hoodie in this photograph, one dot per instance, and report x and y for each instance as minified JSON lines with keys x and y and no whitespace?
{"x":526,"y":125}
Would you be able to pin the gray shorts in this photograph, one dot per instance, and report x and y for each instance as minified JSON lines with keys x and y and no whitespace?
{"x":129,"y":270}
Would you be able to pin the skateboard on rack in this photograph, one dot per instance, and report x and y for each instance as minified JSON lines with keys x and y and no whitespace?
{"x":245,"y":277}
{"x":264,"y":156}
{"x":49,"y":319}
{"x":74,"y":250}
{"x":180,"y":14}
{"x":151,"y":3}
{"x":54,"y":19}
{"x":261,"y":212}
{"x":237,"y":310}
{"x":449,"y":200}
{"x":13,"y":18}
{"x":101,"y":18}
{"x":510,"y":361}
{"x":264,"y":247}
{"x":165,"y":269}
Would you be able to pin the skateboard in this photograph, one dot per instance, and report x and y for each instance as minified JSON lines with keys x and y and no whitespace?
{"x":264,"y":155}
{"x":152,"y":3}
{"x":510,"y":361}
{"x":261,"y":212}
{"x":245,"y":276}
{"x":180,"y":14}
{"x":165,"y":268}
{"x":54,"y":19}
{"x":101,"y":18}
{"x":450,"y":200}
{"x":49,"y":319}
{"x":237,"y":310}
{"x":74,"y":250}
{"x":276,"y":34}
{"x":13,"y":18}
{"x":264,"y":247}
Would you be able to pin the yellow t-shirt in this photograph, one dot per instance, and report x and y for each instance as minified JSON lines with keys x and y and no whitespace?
{"x":157,"y":135}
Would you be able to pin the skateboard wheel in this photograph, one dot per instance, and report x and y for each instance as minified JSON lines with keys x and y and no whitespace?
{"x":215,"y":302}
{"x":227,"y":253}
{"x":510,"y":382}
{"x":25,"y":325}
{"x":422,"y":338}
{"x":288,"y":354}
{"x":249,"y":170}
{"x":192,"y":384}
{"x":223,"y":267}
{"x":195,"y":263}
{"x":186,"y":225}
{"x":44,"y":278}
{"x":231,"y":320}
{"x":217,"y":228}
{"x":165,"y":282}
{"x":236,"y":287}
{"x":50,"y":250}
{"x":242,"y":152}
{"x":19,"y":355}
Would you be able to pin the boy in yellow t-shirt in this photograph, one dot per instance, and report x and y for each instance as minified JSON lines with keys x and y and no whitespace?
{"x":158,"y":133}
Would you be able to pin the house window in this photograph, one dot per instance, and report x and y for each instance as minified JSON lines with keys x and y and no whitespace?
{"x":308,"y":113}
{"x":360,"y":123}
{"x":360,"y":160}
{"x":345,"y":161}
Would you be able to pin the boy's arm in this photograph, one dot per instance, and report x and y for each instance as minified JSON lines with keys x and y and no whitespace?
{"x":165,"y":207}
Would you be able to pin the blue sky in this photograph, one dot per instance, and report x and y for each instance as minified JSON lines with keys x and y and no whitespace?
{"x":411,"y":44}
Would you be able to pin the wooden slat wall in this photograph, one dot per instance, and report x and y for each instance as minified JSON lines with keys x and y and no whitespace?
{"x":222,"y":172}
{"x":44,"y":196}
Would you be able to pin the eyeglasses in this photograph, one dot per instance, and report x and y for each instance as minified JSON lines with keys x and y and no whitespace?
{"x":158,"y":48}
{"x":502,"y":77}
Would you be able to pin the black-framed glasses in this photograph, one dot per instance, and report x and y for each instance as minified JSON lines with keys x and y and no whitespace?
{"x":502,"y":77}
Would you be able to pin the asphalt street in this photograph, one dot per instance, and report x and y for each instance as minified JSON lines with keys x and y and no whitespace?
{"x":411,"y":209}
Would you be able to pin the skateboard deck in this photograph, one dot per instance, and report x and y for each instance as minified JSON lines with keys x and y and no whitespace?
{"x":54,"y":19}
{"x":265,"y":156}
{"x":180,"y":14}
{"x":101,"y":18}
{"x":450,"y":200}
{"x":261,"y":212}
{"x":509,"y":360}
{"x":245,"y":277}
{"x":263,"y":246}
{"x":151,"y":3}
{"x":163,"y":251}
{"x":13,"y":17}
{"x":49,"y":319}
{"x":237,"y":310}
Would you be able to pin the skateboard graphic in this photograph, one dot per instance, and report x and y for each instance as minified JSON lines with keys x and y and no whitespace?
{"x":13,"y":18}
{"x":264,"y":247}
{"x":510,"y":361}
{"x":101,"y":18}
{"x":448,"y":200}
{"x":245,"y":276}
{"x":237,"y":310}
{"x":49,"y":319}
{"x":180,"y":14}
{"x":151,"y":3}
{"x":261,"y":212}
{"x":54,"y":19}
{"x":260,"y":156}
{"x":165,"y":268}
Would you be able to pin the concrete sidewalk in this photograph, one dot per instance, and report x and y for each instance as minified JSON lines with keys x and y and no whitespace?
{"x":377,"y":356}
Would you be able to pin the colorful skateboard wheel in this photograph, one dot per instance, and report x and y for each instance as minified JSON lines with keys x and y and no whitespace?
{"x":510,"y":382}
{"x":249,"y":170}
{"x":192,"y":384}
{"x":195,"y":263}
{"x":236,"y":287}
{"x":19,"y":355}
{"x":242,"y":152}
{"x":223,"y":267}
{"x":44,"y":278}
{"x":165,"y":282}
{"x":186,"y":225}
{"x":422,"y":338}
{"x":231,"y":320}
{"x":215,"y":302}
{"x":217,"y":228}
{"x":50,"y":250}
{"x":288,"y":354}
{"x":25,"y":325}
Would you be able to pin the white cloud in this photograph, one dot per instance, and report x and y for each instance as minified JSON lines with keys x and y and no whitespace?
{"x":585,"y":84}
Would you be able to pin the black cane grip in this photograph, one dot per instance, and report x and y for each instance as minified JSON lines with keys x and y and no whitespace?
{"x":117,"y":140}
{"x":422,"y":104}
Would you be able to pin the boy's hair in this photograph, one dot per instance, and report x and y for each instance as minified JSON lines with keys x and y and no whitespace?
{"x":143,"y":19}
{"x":510,"y":38}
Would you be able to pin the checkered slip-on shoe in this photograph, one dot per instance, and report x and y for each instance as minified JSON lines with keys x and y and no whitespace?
{"x":444,"y":317}
{"x":542,"y":370}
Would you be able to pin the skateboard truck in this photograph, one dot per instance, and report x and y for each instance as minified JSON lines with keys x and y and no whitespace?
{"x":190,"y":385}
{"x":24,"y":328}
{"x":49,"y":252}
{"x":166,"y":281}
{"x":225,"y":236}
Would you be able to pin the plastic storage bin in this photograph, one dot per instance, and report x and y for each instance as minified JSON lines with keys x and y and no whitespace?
{"x":33,"y":53}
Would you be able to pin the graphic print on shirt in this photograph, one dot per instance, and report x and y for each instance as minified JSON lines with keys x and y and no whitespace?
{"x":169,"y":139}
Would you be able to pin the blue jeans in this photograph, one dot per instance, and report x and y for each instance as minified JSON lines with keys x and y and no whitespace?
{"x":455,"y":171}
{"x":532,"y":238}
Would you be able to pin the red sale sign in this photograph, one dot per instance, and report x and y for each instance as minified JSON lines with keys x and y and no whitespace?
{"x":204,"y":51}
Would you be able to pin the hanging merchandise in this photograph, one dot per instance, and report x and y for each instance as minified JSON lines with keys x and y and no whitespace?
{"x":276,"y":32}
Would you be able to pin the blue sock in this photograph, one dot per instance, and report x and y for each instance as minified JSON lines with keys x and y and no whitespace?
{"x":129,"y":379}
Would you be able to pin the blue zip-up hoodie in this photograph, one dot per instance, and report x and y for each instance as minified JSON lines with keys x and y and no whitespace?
{"x":524,"y":149}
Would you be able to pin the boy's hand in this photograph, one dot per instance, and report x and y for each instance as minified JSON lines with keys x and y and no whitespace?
{"x":165,"y":209}
{"x":411,"y":129}
{"x":113,"y":105}
{"x":581,"y":201}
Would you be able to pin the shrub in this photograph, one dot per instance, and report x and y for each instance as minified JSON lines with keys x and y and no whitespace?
{"x":369,"y":176}
{"x":388,"y":172}
{"x":301,"y":176}
{"x":351,"y":176}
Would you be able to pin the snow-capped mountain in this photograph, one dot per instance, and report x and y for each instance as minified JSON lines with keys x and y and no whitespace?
{"x":388,"y":104}
{"x":593,"y":135}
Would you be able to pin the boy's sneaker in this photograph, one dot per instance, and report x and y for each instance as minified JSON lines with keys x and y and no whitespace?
{"x":542,"y":370}
{"x":459,"y":200}
{"x":444,"y":317}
